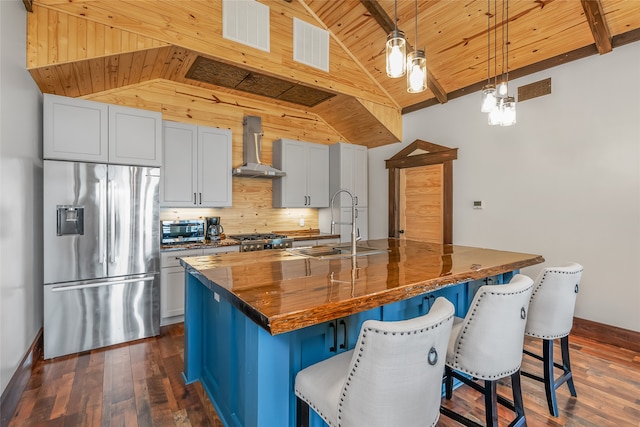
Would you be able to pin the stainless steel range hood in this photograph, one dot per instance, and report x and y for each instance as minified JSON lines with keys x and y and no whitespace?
{"x":252,"y":152}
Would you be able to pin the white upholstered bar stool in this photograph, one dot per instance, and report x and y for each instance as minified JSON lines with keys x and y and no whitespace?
{"x":487,"y":345}
{"x":393,"y":376}
{"x":551,"y":317}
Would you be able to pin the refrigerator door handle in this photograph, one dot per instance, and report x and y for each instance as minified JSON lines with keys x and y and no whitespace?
{"x":98,"y":284}
{"x":102,"y":191}
{"x":112,"y":222}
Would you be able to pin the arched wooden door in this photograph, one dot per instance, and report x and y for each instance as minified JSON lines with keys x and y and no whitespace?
{"x":421,"y":192}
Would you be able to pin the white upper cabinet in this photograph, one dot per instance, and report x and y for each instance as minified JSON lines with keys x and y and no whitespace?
{"x":348,"y":170}
{"x":77,"y":129}
{"x":214,"y":167}
{"x":135,"y":136}
{"x":196,"y":171}
{"x":179,"y":177}
{"x":306,"y":184}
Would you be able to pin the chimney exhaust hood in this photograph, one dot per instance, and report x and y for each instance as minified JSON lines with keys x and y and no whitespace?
{"x":252,"y":151}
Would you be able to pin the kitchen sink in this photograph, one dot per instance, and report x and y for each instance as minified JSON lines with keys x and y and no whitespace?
{"x":326,"y":252}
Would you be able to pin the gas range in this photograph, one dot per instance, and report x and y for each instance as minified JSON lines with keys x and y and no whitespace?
{"x":261,"y":241}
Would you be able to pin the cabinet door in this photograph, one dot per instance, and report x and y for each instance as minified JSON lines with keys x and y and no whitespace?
{"x":172,"y":284}
{"x":362,"y":224}
{"x":178,"y":180}
{"x":214,"y":167}
{"x":346,"y":156}
{"x":360,"y":175}
{"x":318,"y":176}
{"x":135,"y":136}
{"x":290,"y":191}
{"x":75,"y":129}
{"x":172,"y":292}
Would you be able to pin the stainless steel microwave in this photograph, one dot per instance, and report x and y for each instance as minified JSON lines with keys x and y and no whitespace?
{"x":183,"y":231}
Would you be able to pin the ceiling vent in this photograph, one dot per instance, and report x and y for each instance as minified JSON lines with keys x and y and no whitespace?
{"x":246,"y":22}
{"x":310,"y":45}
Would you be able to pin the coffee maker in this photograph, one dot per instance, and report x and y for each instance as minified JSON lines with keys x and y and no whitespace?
{"x":214,"y":228}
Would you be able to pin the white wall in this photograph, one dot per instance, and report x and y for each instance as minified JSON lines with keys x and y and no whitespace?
{"x":21,"y":196}
{"x":564,"y":182}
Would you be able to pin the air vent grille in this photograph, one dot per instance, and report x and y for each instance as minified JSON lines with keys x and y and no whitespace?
{"x":310,"y":45}
{"x":246,"y":22}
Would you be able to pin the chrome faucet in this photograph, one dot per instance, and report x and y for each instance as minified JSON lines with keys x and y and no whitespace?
{"x":355,"y":233}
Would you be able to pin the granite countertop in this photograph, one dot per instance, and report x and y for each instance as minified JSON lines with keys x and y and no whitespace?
{"x":282,"y":291}
{"x":308,"y":234}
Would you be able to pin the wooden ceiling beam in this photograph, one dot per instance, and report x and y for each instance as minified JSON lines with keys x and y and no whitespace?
{"x":595,"y":17}
{"x":378,"y":13}
{"x":386,"y":23}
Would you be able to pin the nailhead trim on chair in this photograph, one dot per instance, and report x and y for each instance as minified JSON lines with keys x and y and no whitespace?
{"x":361,"y":349}
{"x":497,"y":376}
{"x":535,"y":291}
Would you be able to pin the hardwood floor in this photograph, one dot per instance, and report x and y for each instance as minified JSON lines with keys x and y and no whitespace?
{"x":141,"y":384}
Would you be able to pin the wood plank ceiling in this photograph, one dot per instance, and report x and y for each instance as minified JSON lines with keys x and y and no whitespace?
{"x":81,"y":48}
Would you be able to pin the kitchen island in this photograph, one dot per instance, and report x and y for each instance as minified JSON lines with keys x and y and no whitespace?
{"x":253,"y":320}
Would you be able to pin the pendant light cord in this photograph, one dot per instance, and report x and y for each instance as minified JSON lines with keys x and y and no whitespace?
{"x":495,"y":42}
{"x":416,"y":25}
{"x":488,"y":42}
{"x":395,"y":12}
{"x":507,"y":43}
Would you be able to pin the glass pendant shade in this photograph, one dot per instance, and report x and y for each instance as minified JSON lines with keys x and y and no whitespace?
{"x":502,"y":90}
{"x":488,"y":98}
{"x":396,"y":54}
{"x":495,"y":115}
{"x":416,"y":72}
{"x":508,"y":112}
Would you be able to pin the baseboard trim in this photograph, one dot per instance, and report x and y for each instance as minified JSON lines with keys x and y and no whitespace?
{"x":18,"y":383}
{"x":608,"y":334}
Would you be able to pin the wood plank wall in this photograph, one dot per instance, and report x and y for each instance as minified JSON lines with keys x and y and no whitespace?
{"x":251,"y":210}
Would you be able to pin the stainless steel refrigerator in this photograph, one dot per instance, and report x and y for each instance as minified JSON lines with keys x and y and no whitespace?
{"x":101,"y":255}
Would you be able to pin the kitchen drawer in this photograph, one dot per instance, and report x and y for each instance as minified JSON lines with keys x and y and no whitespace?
{"x":220,"y":250}
{"x":172,"y":258}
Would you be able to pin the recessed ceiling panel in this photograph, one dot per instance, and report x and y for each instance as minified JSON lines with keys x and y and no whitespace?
{"x":264,"y":85}
{"x":209,"y":71}
{"x":217,"y":73}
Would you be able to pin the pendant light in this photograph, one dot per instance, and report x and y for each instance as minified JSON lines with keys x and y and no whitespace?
{"x":416,"y":66}
{"x":396,"y":49}
{"x":503,"y":110}
{"x":488,"y":90}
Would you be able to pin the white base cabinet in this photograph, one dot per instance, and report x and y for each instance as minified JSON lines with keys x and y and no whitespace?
{"x":81,"y":130}
{"x":172,"y":281}
{"x":196,"y":170}
{"x":306,"y":184}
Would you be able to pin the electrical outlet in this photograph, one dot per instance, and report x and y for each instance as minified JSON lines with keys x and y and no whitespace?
{"x":301,"y":222}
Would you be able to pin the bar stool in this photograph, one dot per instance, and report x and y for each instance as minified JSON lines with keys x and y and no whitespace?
{"x":393,"y":376}
{"x":551,"y":317}
{"x":487,"y":345}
